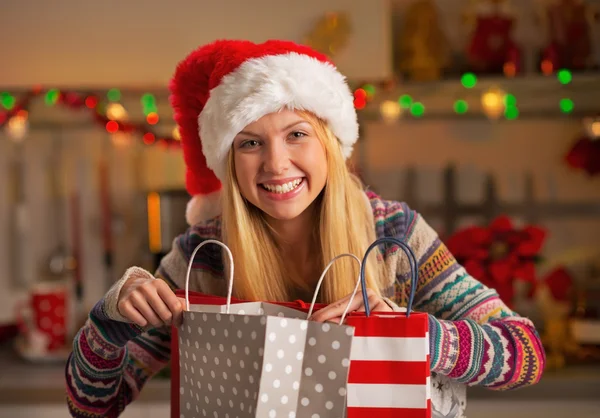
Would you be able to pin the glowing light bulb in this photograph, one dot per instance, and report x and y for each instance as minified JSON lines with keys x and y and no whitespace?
{"x":492,"y":102}
{"x":390,"y":111}
{"x":116,"y":111}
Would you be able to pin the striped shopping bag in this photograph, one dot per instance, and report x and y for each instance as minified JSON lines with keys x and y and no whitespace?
{"x":389,"y":373}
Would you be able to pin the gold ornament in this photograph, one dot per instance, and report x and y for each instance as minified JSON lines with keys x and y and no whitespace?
{"x":330,"y":34}
{"x":424,"y":50}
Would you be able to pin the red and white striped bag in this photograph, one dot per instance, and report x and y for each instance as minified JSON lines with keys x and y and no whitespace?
{"x":389,"y":363}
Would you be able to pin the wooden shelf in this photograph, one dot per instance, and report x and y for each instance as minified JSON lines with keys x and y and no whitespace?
{"x":537,"y":96}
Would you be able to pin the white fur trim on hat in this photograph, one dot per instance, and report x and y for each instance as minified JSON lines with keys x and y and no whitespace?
{"x":202,"y":207}
{"x":266,"y":85}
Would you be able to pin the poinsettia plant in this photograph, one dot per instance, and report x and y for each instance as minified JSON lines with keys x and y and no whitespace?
{"x":499,"y":254}
{"x":585,"y":155}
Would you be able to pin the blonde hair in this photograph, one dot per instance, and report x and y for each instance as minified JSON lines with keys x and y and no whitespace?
{"x":344,"y":225}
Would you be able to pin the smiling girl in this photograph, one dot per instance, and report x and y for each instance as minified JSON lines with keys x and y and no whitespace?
{"x":266,"y":129}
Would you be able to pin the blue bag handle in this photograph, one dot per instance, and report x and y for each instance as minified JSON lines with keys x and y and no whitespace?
{"x":414,"y":271}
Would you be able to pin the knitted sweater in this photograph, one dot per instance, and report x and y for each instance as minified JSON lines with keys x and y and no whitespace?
{"x":474,"y":337}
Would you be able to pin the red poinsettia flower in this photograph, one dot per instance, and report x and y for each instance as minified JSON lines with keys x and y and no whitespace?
{"x":585,"y":155}
{"x":560,"y":283}
{"x":499,"y":254}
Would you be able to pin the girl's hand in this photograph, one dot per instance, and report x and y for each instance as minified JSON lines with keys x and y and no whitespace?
{"x":333,"y":312}
{"x":150,"y":301}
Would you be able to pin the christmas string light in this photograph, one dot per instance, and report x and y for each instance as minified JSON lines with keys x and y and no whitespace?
{"x":112,"y":116}
{"x":493,"y":103}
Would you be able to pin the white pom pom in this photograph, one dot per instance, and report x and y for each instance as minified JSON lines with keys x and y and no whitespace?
{"x":203,"y":207}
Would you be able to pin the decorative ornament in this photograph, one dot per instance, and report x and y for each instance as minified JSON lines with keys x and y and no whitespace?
{"x":491,"y":48}
{"x":499,"y":254}
{"x":424,"y":49}
{"x":584,"y":154}
{"x":330,"y":34}
{"x":569,"y":35}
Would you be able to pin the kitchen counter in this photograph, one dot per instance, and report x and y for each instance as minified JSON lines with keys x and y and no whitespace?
{"x":23,"y":383}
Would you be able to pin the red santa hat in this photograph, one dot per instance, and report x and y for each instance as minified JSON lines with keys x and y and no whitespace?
{"x":222,"y":87}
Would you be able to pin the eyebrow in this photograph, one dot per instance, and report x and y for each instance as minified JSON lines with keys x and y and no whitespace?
{"x":291,"y":125}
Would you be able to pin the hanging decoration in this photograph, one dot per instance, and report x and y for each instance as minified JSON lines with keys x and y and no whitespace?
{"x":568,"y":28}
{"x":499,"y":254}
{"x":424,"y":50}
{"x":330,"y":34}
{"x":584,"y":154}
{"x":491,"y":48}
{"x":110,"y":115}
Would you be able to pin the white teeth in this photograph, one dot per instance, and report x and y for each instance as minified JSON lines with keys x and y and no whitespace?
{"x":282,"y":188}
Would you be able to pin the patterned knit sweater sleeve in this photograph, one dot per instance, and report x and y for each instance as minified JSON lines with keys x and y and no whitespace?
{"x":474,"y":337}
{"x":112,"y":358}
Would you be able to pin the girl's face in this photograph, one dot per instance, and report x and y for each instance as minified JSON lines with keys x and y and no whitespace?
{"x":280,"y":164}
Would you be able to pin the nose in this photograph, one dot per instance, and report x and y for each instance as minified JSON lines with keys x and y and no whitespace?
{"x":276,"y":158}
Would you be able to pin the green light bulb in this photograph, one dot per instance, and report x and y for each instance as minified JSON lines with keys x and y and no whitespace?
{"x":461,"y":107}
{"x":51,"y":97}
{"x":417,"y":109}
{"x":564,"y":76}
{"x":566,"y":105}
{"x":7,"y":100}
{"x":114,"y":95}
{"x":510,"y":100}
{"x":511,"y":113}
{"x":469,"y":80}
{"x":405,"y":101}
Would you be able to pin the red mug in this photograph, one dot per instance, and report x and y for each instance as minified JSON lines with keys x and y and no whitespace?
{"x":43,"y":318}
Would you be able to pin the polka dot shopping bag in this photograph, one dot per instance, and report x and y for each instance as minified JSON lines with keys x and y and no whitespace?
{"x":256,"y":359}
{"x":389,"y":370}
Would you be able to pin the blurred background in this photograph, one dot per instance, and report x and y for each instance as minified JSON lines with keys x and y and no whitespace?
{"x":482,"y":115}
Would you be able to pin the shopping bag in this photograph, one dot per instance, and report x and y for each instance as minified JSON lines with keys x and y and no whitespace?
{"x":199,"y":301}
{"x":389,"y":369}
{"x":256,"y":359}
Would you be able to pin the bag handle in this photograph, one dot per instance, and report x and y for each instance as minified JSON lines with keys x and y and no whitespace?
{"x":314,"y":299}
{"x":189,"y":271}
{"x":414,"y":271}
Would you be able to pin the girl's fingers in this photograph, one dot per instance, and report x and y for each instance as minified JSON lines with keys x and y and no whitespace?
{"x":168,"y":296}
{"x":336,"y":309}
{"x":140,"y":303}
{"x":130,"y":312}
{"x":160,"y":308}
{"x":178,"y":314}
{"x":373,"y":301}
